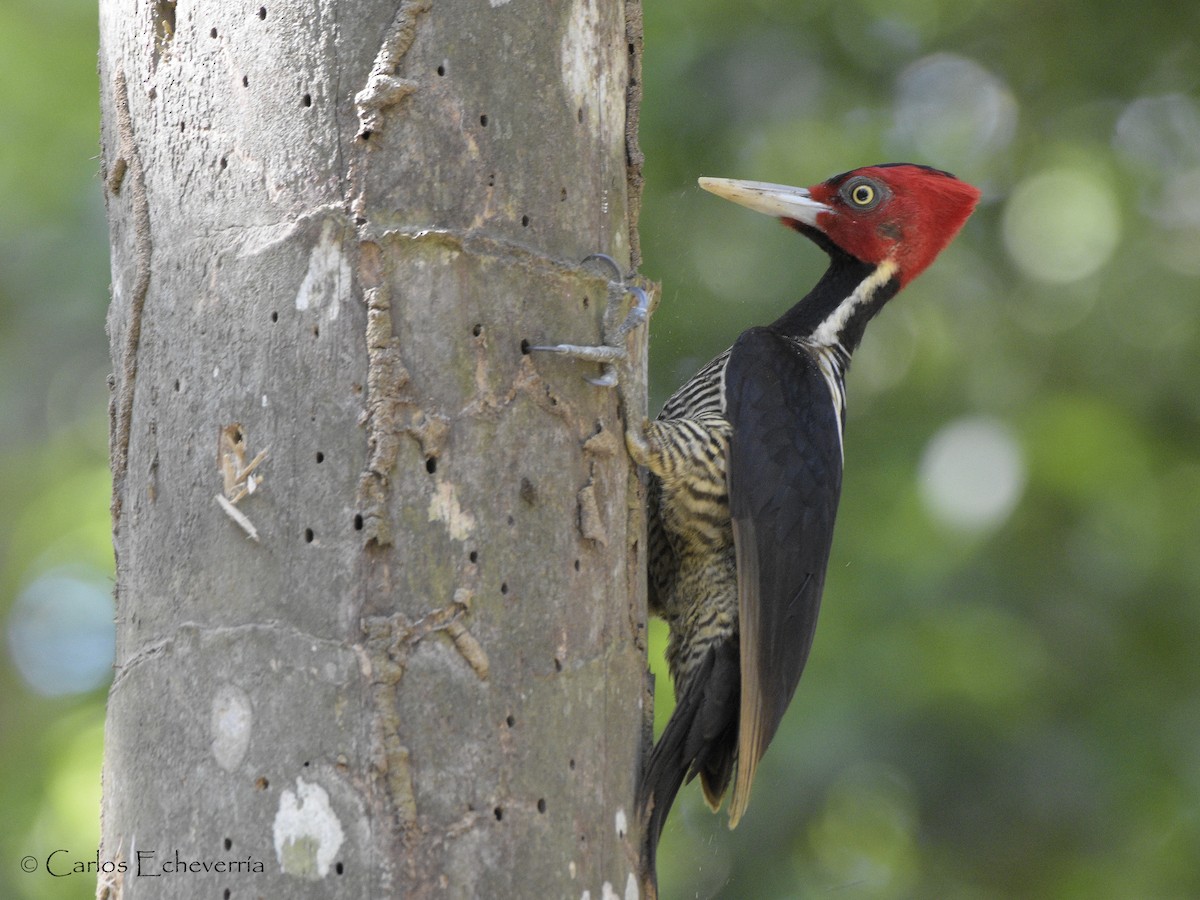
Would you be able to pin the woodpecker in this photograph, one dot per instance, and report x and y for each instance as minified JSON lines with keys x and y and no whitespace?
{"x":745,"y":470}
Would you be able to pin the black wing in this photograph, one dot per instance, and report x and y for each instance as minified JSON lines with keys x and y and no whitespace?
{"x":784,"y":475}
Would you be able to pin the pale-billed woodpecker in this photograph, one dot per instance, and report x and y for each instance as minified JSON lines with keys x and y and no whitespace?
{"x":745,"y":464}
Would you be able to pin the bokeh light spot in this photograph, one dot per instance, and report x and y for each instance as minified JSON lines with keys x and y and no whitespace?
{"x":61,"y":634}
{"x":953,"y":110}
{"x":972,"y":474}
{"x":1181,"y":200}
{"x":1061,"y":225}
{"x":1161,"y":132}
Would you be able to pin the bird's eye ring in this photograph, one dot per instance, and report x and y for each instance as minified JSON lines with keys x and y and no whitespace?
{"x":862,"y":194}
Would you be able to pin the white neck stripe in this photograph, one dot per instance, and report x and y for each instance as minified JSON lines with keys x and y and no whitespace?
{"x":829,"y":332}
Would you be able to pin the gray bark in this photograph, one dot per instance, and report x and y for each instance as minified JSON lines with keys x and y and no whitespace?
{"x":410,"y":662}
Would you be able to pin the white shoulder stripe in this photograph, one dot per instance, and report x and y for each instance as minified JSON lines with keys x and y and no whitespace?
{"x":831,"y":361}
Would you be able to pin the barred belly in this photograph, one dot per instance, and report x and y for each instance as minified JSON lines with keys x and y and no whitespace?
{"x":692,"y":563}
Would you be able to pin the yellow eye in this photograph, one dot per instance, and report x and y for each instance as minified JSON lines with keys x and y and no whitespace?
{"x":862,"y":195}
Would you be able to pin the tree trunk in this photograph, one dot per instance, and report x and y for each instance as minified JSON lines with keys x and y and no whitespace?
{"x":380,"y":599}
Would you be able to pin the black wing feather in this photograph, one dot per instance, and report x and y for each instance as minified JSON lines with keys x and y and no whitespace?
{"x":784,"y":476}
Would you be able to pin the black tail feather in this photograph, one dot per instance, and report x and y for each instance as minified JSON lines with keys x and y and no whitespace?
{"x":700,"y":738}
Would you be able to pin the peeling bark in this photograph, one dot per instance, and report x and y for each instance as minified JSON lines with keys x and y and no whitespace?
{"x":402,"y":653}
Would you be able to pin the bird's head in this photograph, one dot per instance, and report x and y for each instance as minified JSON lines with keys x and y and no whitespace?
{"x":898,"y":213}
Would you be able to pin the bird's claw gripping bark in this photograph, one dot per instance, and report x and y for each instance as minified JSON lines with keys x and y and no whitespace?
{"x":613,"y":351}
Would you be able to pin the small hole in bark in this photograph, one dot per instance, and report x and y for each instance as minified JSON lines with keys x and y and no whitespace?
{"x":524,"y":348}
{"x":274,"y":317}
{"x":498,"y":813}
{"x":579,"y":115}
{"x":316,"y":330}
{"x":358,"y":522}
{"x":510,"y":721}
{"x":576,"y":565}
{"x":320,"y":457}
{"x":228,"y":844}
{"x":504,"y":587}
{"x":213,"y":33}
{"x":224,"y":162}
{"x":528,"y":492}
{"x":339,"y":868}
{"x":441,"y":70}
{"x":524,"y":221}
{"x":308,"y":539}
{"x":262,"y":12}
{"x":541,"y":804}
{"x":306,"y":100}
{"x":483,"y":120}
{"x":245,"y":81}
{"x":183,"y":126}
{"x":365,"y":134}
{"x":176,"y":385}
{"x":431,"y":464}
{"x":473,"y":556}
{"x":492,"y":180}
{"x":562,"y":195}
{"x":571,"y":765}
{"x":306,"y":764}
{"x":477,"y":330}
{"x":557,"y":664}
{"x":227,"y":894}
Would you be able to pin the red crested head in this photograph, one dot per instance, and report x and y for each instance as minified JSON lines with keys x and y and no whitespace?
{"x":899,"y":213}
{"x":902,"y":212}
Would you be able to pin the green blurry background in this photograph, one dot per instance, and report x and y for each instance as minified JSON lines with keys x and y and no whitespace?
{"x":1004,"y":695}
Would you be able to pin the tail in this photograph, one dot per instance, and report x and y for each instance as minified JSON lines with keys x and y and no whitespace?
{"x":700,"y":739}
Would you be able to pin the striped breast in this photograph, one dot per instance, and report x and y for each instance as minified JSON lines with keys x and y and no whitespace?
{"x":689,"y":528}
{"x":702,"y":394}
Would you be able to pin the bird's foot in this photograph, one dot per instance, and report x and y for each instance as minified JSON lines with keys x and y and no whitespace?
{"x":613,"y":351}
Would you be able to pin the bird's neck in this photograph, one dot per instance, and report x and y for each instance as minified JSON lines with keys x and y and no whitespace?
{"x":836,"y":311}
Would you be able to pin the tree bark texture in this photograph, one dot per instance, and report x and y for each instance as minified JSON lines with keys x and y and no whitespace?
{"x":379,"y":587}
